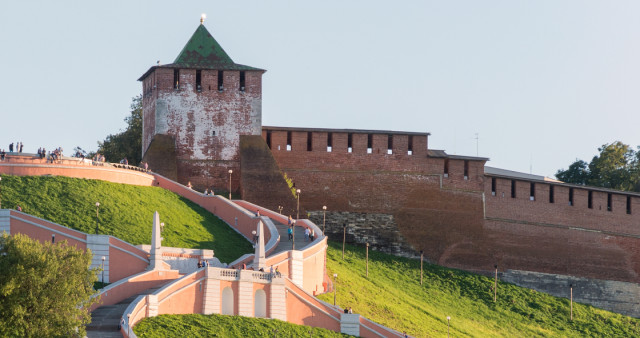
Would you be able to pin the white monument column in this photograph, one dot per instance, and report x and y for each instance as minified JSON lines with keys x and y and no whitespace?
{"x":156,"y":245}
{"x":259,"y":260}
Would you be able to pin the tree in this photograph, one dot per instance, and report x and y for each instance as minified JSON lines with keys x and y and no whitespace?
{"x":45,"y":289}
{"x":617,"y":166}
{"x":126,"y":144}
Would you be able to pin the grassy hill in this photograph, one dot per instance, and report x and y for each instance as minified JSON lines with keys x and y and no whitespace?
{"x":392,"y":296}
{"x":223,"y":326}
{"x":126,"y":212}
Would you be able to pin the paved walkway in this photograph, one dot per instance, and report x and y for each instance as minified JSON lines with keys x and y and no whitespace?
{"x":285,"y":244}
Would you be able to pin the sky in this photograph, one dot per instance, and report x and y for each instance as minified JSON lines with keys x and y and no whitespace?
{"x":532,"y":85}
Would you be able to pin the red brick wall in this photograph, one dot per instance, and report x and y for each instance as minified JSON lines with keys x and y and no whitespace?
{"x":192,"y":116}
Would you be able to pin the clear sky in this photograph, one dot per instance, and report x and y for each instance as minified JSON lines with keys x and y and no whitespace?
{"x":541,"y":82}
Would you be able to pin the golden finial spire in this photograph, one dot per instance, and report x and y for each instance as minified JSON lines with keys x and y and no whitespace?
{"x":202,"y":17}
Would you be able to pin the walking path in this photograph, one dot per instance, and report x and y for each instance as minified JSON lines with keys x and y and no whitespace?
{"x":285,"y":244}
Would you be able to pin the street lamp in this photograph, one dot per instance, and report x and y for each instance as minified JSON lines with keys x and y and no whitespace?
{"x":103,"y":258}
{"x":421,"y":259}
{"x":367,"y":259}
{"x":255,"y":237}
{"x":128,"y":325}
{"x":230,"y":172}
{"x":97,"y":213}
{"x":448,"y":325}
{"x":324,"y":217}
{"x":495,"y":285}
{"x":344,"y":237}
{"x":298,"y":197}
{"x":335,"y":277}
{"x":571,"y":290}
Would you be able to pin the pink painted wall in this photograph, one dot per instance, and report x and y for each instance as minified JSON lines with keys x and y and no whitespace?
{"x":184,"y":296}
{"x":116,"y":292}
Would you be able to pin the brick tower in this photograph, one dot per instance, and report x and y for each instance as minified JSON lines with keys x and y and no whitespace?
{"x":194,"y":112}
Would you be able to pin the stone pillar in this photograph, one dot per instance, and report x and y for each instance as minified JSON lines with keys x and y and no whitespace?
{"x":156,"y":244}
{"x":5,"y":221}
{"x":99,"y":246}
{"x":278,"y":299}
{"x":152,"y":305}
{"x":259,"y":260}
{"x":245,"y":293}
{"x":296,"y":268}
{"x":350,"y":324}
{"x":212,"y":296}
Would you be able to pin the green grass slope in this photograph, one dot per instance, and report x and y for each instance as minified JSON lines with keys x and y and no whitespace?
{"x":126,"y":212}
{"x":392,"y":296}
{"x":223,"y":326}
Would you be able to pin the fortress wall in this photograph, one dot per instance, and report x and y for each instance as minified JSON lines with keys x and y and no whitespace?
{"x":539,"y":209}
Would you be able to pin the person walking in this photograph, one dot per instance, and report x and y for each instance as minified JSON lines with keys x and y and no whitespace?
{"x":290,"y":233}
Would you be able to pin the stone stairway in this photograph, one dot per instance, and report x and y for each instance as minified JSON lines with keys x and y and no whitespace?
{"x":105,"y":319}
{"x":285,"y":243}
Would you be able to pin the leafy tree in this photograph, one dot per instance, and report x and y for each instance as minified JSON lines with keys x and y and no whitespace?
{"x":617,"y":166}
{"x":45,"y":289}
{"x":577,"y":173}
{"x":126,"y":144}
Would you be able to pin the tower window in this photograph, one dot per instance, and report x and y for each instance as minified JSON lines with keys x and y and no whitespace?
{"x":220,"y":80}
{"x":590,"y":199}
{"x":466,"y":169}
{"x":329,"y":142}
{"x":410,"y":150}
{"x":493,"y":186}
{"x":288,"y":141}
{"x":532,"y":191}
{"x":551,"y":199}
{"x":269,"y":139}
{"x":513,"y":188}
{"x":242,"y":81}
{"x":446,"y":167}
{"x":629,"y":205}
{"x":369,"y":143}
{"x":390,"y":144}
{"x":309,"y":141}
{"x":571,"y":196}
{"x":176,"y":79}
{"x":199,"y":80}
{"x":609,"y":203}
{"x":350,"y":142}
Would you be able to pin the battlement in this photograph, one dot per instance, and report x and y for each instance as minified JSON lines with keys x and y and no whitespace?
{"x":354,"y":141}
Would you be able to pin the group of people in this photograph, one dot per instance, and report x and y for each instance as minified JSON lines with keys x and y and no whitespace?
{"x":55,"y":155}
{"x":18,"y":148}
{"x":348,"y":310}
{"x":42,"y":153}
{"x":202,"y":264}
{"x":208,"y":192}
{"x":309,"y":233}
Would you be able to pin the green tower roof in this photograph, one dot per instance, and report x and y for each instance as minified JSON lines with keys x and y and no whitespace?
{"x":202,"y":51}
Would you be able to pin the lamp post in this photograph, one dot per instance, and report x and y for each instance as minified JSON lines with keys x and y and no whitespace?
{"x":367,"y":259}
{"x":0,"y":193}
{"x":495,"y":285}
{"x":344,"y":237}
{"x":448,"y":325}
{"x":129,"y":325}
{"x":324,"y":218}
{"x":255,"y":238}
{"x":421,"y":259}
{"x":230,"y":172}
{"x":103,"y":270}
{"x":293,"y":237}
{"x":298,"y":198}
{"x":571,"y":301}
{"x":335,"y":286}
{"x":97,"y":214}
